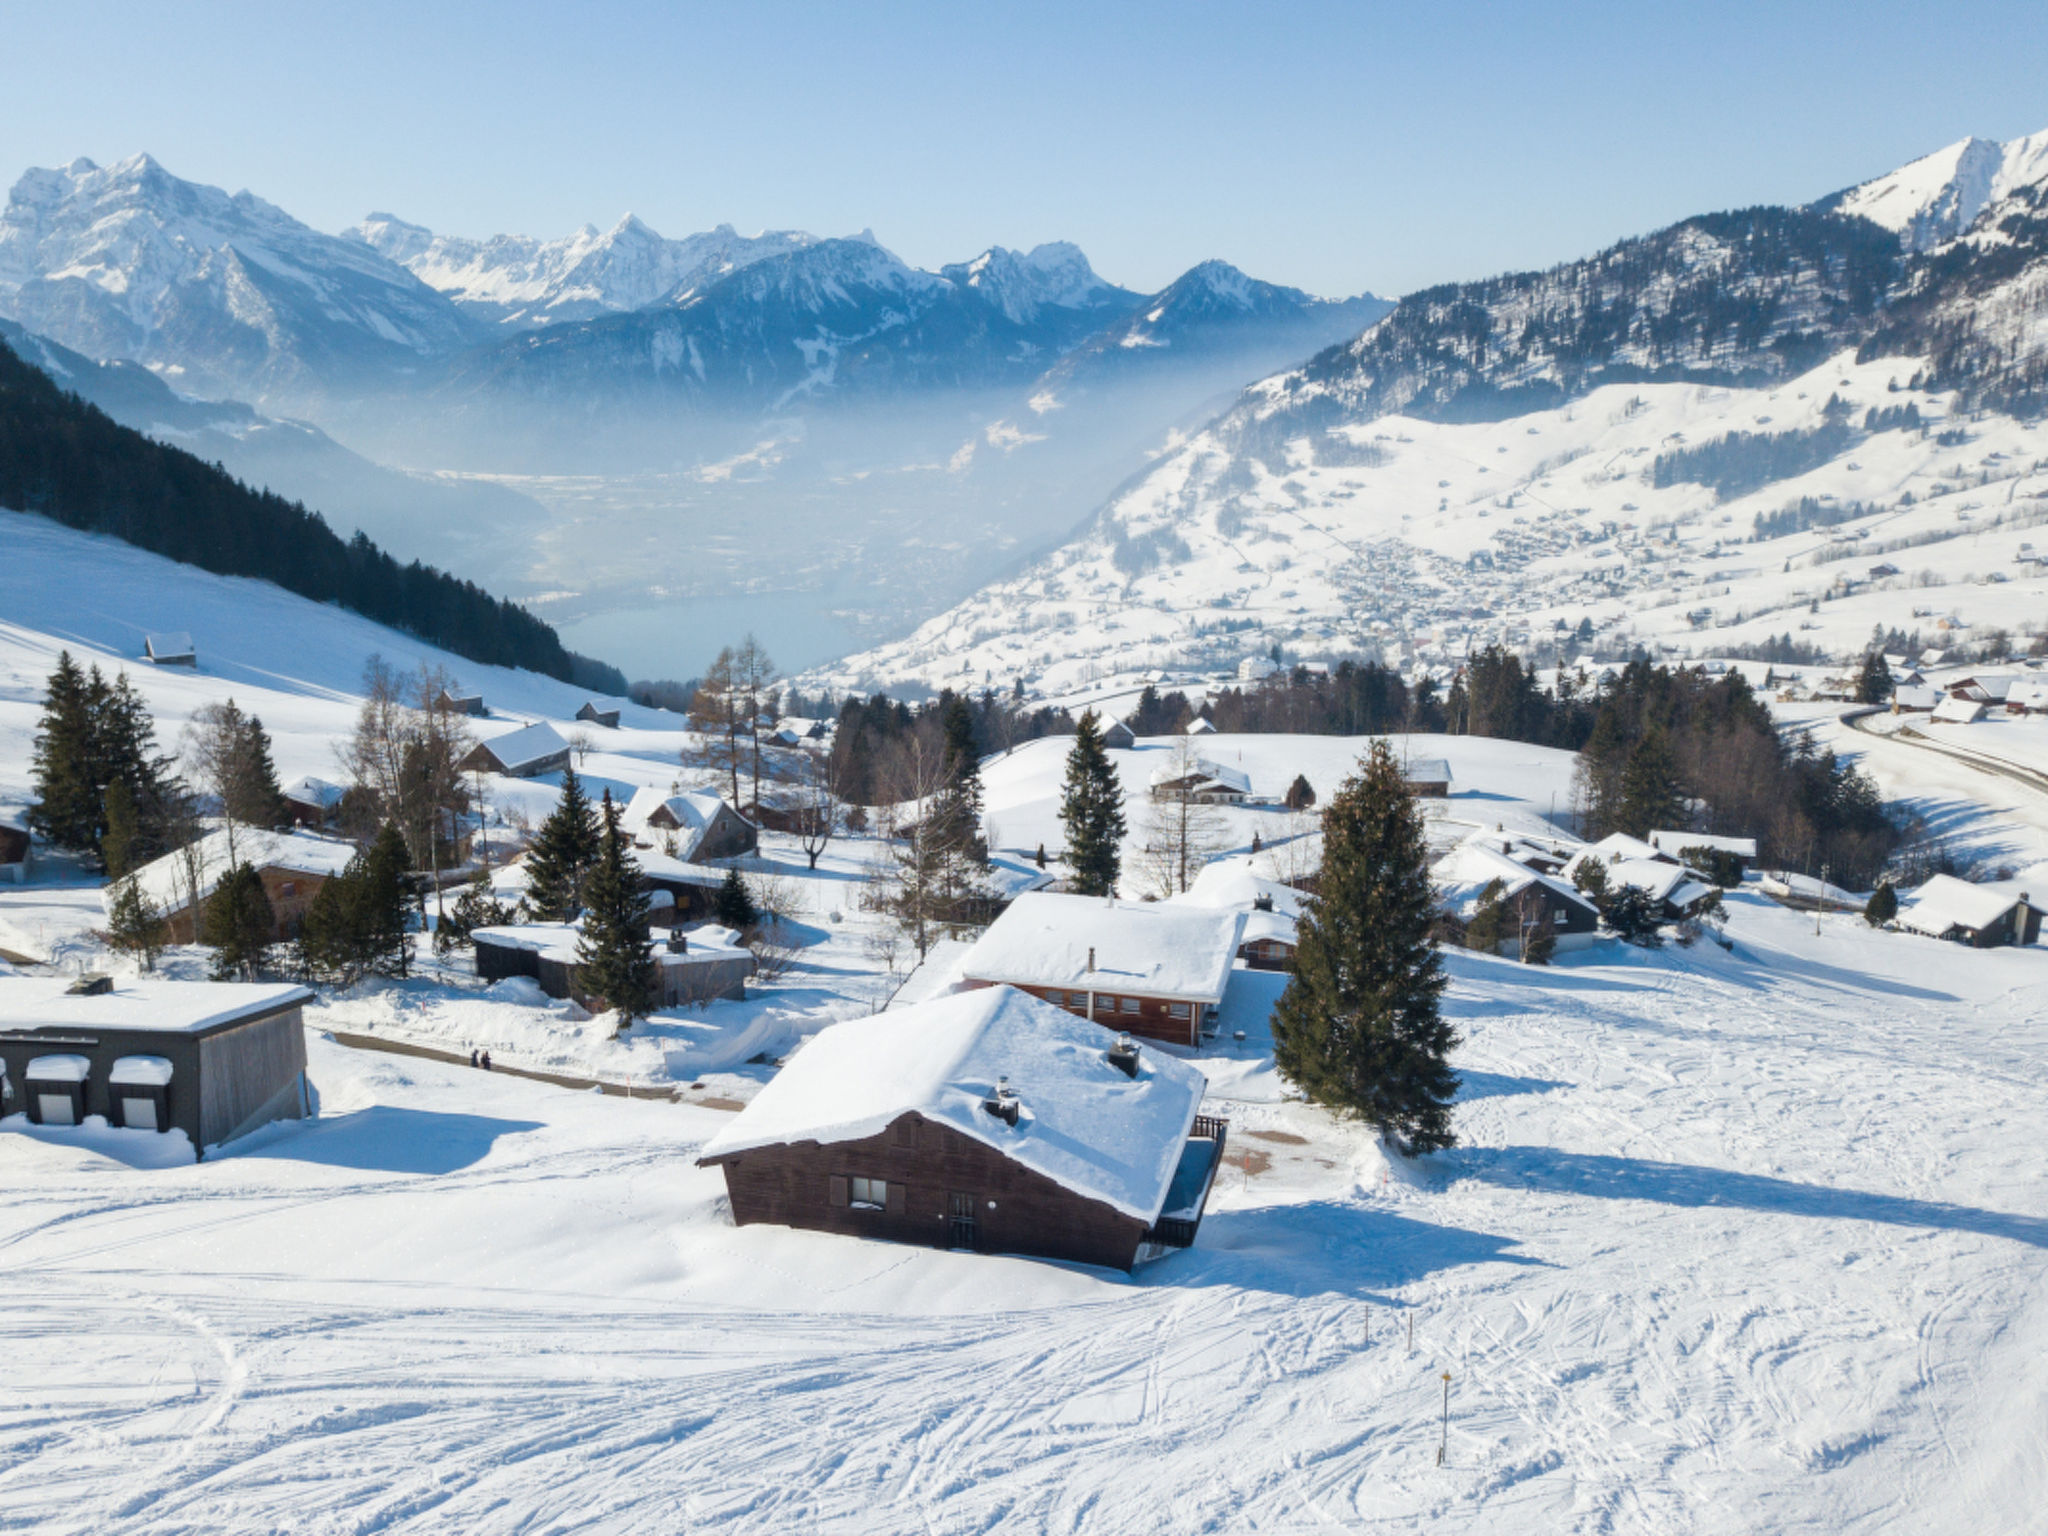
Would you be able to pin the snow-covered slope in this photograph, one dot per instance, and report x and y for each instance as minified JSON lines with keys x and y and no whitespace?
{"x":518,"y":281}
{"x":228,"y":293}
{"x":1938,"y":196}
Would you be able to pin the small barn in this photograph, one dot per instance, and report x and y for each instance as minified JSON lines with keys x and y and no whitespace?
{"x":314,"y":802}
{"x":1201,"y":725}
{"x":292,"y":866}
{"x":694,"y":967}
{"x":522,"y":754}
{"x":689,"y":824}
{"x":460,"y":703}
{"x":16,"y":847}
{"x":1205,"y":782}
{"x":212,"y":1059}
{"x":1156,"y":969}
{"x":590,"y":714}
{"x":1956,"y":709}
{"x":982,"y":1121}
{"x":1119,"y":734}
{"x":1428,"y":777}
{"x":1981,"y":916}
{"x":1915,"y":698}
{"x":173,"y":648}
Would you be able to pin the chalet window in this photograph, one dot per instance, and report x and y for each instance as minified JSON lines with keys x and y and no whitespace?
{"x":1177,"y":1010}
{"x":1129,"y":1005}
{"x":871,"y":1193}
{"x":1561,"y":917}
{"x":288,"y":888}
{"x":906,"y":1133}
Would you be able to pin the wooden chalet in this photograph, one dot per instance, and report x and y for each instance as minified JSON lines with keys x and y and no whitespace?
{"x":1201,"y":725}
{"x":1156,"y":969}
{"x":1531,"y":899}
{"x":697,"y":967}
{"x":590,"y":714}
{"x":689,"y":824}
{"x":292,"y":866}
{"x":461,"y":703}
{"x":1957,"y":709}
{"x":1205,"y":782}
{"x":1117,"y":733}
{"x":1271,"y":909}
{"x":1981,"y":916}
{"x":314,"y":802}
{"x":984,"y":1121}
{"x":171,"y":649}
{"x":522,"y":754}
{"x":16,"y":847}
{"x":214,"y":1060}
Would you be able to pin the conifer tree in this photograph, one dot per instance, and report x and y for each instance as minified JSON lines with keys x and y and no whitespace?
{"x":1489,"y":924}
{"x":239,"y":925}
{"x":1092,"y":810}
{"x":133,"y":926}
{"x":1359,"y":1028}
{"x":733,"y":906}
{"x":1649,"y":787}
{"x":1883,"y":905}
{"x":122,"y":837}
{"x":67,"y":809}
{"x":615,"y":958}
{"x":1874,"y":681}
{"x":383,"y":901}
{"x":476,"y":908}
{"x":562,"y":854}
{"x":1300,"y":794}
{"x":259,"y":802}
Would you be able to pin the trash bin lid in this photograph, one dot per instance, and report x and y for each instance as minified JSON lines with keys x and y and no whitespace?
{"x":141,"y":1072}
{"x":59,"y":1069}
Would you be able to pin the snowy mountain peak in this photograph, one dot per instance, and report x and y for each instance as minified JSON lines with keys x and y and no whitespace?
{"x":1937,"y":197}
{"x":1020,"y":283}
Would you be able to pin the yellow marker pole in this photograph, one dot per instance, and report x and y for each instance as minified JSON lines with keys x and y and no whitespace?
{"x":1444,"y":1443}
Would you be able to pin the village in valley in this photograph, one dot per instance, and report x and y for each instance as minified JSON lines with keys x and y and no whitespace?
{"x":972,"y":1017}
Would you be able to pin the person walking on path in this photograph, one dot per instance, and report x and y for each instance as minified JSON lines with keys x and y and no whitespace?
{"x":487,"y":1061}
{"x":472,"y":1057}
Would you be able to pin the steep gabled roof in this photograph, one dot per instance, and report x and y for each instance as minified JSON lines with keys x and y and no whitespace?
{"x":166,"y":883}
{"x":1159,"y":949}
{"x":531,"y":744}
{"x":1945,"y":902}
{"x":1081,"y":1122}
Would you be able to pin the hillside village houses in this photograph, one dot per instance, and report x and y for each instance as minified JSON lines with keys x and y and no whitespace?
{"x":1674,"y":845}
{"x":16,"y":846}
{"x":292,"y":866}
{"x":1531,"y":900}
{"x":313,"y":802}
{"x":590,"y":714}
{"x":986,"y":1121}
{"x":1982,"y":917}
{"x":1152,"y":969}
{"x":471,"y":704}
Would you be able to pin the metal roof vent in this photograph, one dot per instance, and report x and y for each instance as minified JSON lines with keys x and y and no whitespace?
{"x":1124,"y":1055}
{"x":1003,"y":1103}
{"x":678,"y":945}
{"x":1091,"y":960}
{"x":96,"y":985}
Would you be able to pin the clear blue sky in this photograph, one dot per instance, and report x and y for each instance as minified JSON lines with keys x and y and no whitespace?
{"x":1338,"y":147}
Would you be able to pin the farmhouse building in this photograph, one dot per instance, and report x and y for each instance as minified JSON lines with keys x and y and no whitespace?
{"x":212,"y":1059}
{"x":1531,"y":899}
{"x":1201,"y":725}
{"x":1984,"y":917}
{"x":1740,"y":850}
{"x":292,"y":866}
{"x":1119,"y":734}
{"x":985,"y":1121}
{"x":171,"y":649}
{"x":1427,"y":776}
{"x":313,"y":802}
{"x":1957,"y":709}
{"x":1151,"y":969}
{"x":522,"y":754}
{"x":15,"y":846}
{"x":1204,"y":782}
{"x":461,"y":703}
{"x":590,"y":714}
{"x":692,"y":825}
{"x":695,"y":967}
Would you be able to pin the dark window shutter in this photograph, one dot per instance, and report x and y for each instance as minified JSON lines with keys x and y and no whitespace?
{"x":906,"y":1132}
{"x":896,"y":1193}
{"x":838,"y":1181}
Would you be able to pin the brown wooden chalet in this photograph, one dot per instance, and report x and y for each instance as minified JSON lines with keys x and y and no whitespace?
{"x":985,"y":1121}
{"x":1155,"y":969}
{"x":292,"y":866}
{"x":523,"y":754}
{"x":692,"y":825}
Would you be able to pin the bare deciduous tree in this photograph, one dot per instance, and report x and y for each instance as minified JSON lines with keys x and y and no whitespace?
{"x":752,"y":673}
{"x":717,"y":713}
{"x":1182,"y":832}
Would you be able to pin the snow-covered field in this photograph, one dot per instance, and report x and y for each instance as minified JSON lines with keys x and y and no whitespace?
{"x":1744,"y":1242}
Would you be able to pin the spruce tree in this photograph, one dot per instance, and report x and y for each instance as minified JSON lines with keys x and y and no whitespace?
{"x":1092,"y":810}
{"x":615,"y":958}
{"x":239,"y":925}
{"x":733,"y":906}
{"x":1874,"y":681}
{"x":257,"y":801}
{"x":1300,"y":794}
{"x":1883,"y":905}
{"x":124,"y":747}
{"x":1489,"y":924}
{"x":383,"y":901}
{"x":475,"y":908}
{"x":133,"y":926}
{"x":121,"y":840}
{"x":562,"y":854}
{"x":67,"y":809}
{"x":1358,"y":1028}
{"x":1649,"y":787}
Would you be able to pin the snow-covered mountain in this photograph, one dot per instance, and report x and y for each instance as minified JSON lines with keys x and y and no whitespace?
{"x":518,"y":281}
{"x":1937,"y":197}
{"x":1692,"y":439}
{"x":228,"y":294}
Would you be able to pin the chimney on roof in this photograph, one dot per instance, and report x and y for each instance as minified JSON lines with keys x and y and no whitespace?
{"x":97,"y":985}
{"x":1002,"y":1103}
{"x":1091,"y":959}
{"x":1124,"y":1055}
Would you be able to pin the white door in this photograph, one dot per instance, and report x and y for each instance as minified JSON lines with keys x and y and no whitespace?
{"x":55,"y":1108}
{"x":139,"y":1114}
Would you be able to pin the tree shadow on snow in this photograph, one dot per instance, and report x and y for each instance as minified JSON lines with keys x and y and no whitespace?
{"x":384,"y":1139}
{"x":1325,"y":1247}
{"x":1494,"y":1085}
{"x":1684,"y":1184}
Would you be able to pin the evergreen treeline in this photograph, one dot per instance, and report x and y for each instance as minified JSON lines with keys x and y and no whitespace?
{"x":1351,"y":699}
{"x":1745,"y":461}
{"x":69,"y":461}
{"x":872,"y":746}
{"x":1805,"y":513}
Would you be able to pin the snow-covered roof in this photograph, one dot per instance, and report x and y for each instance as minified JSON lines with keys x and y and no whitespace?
{"x":1236,"y":883}
{"x":312,"y":791}
{"x":558,"y":942}
{"x":1991,"y":686}
{"x":1080,"y":1123}
{"x":529,"y":744}
{"x":1462,"y":876}
{"x":656,"y":865}
{"x":169,"y":1007}
{"x":1958,"y":710}
{"x":1656,"y":879}
{"x":1159,"y":949}
{"x":141,"y":1071}
{"x":1945,"y":902}
{"x":167,"y":886}
{"x":1916,"y":696}
{"x":1675,"y":843}
{"x":937,"y":974}
{"x":1204,"y":771}
{"x":171,"y":643}
{"x":692,"y":810}
{"x":1269,"y":925}
{"x":1426,"y":770}
{"x":1201,"y":726}
{"x":1615,"y":848}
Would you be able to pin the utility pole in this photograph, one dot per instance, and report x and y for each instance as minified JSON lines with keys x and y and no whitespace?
{"x":1444,"y":1443}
